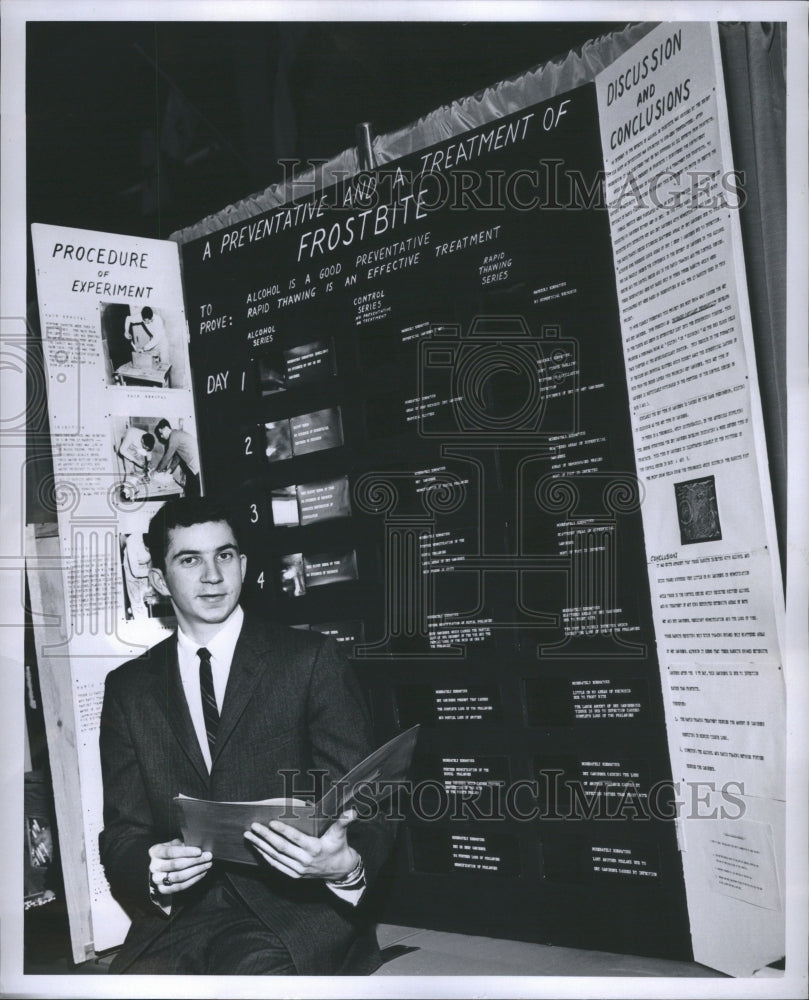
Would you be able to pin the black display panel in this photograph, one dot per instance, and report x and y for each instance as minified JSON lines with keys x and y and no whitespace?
{"x":445,"y":852}
{"x":628,"y":864}
{"x":562,"y":701}
{"x":428,"y":705}
{"x":415,"y":382}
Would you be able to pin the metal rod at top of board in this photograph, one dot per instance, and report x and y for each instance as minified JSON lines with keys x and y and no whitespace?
{"x":365,"y":148}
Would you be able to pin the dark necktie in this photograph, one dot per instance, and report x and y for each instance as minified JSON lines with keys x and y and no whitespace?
{"x":209,"y":710}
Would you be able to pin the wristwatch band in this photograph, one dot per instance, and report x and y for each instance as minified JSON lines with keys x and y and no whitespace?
{"x":355,"y":879}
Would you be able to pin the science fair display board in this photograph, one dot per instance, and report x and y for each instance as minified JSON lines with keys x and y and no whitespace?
{"x":488,"y":416}
{"x":115,"y":348}
{"x":698,"y":434}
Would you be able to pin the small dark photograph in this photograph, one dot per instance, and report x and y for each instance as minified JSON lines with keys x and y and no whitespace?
{"x":141,"y":600}
{"x":271,"y":372}
{"x":277,"y":440}
{"x":284,"y":505}
{"x":293,"y":581}
{"x":143,"y":346}
{"x":697,"y":511}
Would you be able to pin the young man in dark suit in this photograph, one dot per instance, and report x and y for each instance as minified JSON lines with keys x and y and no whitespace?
{"x":218,"y":711}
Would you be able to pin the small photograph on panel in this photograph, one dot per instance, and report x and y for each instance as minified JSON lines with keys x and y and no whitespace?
{"x":277,"y":440}
{"x":141,"y":600}
{"x":284,"y":506}
{"x":271,"y":371}
{"x":143,"y":346}
{"x":300,"y":572}
{"x":293,"y":580}
{"x":155,"y":458}
{"x":40,"y":879}
{"x":697,"y":511}
{"x":39,"y":856}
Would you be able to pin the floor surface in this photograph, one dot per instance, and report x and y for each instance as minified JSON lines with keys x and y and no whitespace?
{"x":413,"y":952}
{"x":407,"y":951}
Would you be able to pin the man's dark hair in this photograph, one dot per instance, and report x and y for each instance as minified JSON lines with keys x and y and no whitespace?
{"x":183,"y":513}
{"x":146,"y":313}
{"x":162,"y":425}
{"x":147,"y":441}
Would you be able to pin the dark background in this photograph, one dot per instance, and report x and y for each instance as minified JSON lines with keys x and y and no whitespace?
{"x":107,"y":149}
{"x":144,"y":128}
{"x":512,"y":692}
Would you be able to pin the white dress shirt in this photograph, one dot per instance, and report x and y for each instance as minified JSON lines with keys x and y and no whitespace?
{"x":221,"y":647}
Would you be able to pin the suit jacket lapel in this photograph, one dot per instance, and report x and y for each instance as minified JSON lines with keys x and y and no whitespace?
{"x":249,"y":663}
{"x":170,"y":697}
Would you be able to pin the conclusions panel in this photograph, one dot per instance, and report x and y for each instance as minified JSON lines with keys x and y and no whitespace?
{"x":411,"y":388}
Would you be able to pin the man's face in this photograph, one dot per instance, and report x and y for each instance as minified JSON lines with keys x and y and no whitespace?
{"x":162,"y":434}
{"x":203,"y":576}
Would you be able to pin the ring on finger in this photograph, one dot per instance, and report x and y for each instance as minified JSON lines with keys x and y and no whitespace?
{"x":166,"y":879}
